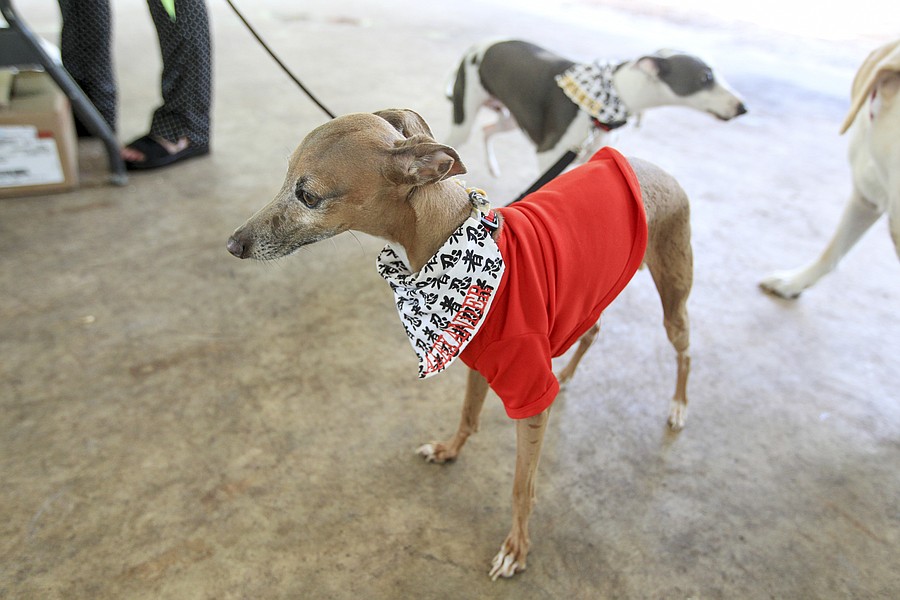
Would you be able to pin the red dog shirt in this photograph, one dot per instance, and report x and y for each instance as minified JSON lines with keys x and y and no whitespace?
{"x":570,"y":248}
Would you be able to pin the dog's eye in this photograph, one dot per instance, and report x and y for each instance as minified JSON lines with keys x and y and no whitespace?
{"x":305,"y":197}
{"x":706,"y":78}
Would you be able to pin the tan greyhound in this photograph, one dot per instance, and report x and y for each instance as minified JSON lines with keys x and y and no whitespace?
{"x":383,"y":174}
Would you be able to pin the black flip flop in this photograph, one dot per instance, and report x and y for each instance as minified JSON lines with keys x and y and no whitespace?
{"x":156,"y":156}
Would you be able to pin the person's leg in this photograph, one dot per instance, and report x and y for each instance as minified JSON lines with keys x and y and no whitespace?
{"x":187,"y":72}
{"x":183,"y":120}
{"x":86,"y":48}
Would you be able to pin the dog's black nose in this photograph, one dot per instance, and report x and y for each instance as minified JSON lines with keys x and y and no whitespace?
{"x":741,"y":110}
{"x":235,"y":247}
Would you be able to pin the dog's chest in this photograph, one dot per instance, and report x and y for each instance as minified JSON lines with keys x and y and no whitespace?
{"x":591,"y":87}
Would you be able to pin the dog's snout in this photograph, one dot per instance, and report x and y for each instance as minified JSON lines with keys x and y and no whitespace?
{"x":236,"y":247}
{"x":733,"y":111}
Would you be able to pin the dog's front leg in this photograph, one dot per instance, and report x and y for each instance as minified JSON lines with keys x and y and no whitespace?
{"x":859,"y":215}
{"x":476,"y":390}
{"x":894,"y":217}
{"x":514,"y":551}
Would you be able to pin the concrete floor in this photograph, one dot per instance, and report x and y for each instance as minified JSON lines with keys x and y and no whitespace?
{"x":175,"y":423}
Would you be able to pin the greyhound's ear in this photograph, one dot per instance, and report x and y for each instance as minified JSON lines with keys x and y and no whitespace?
{"x":889,"y":84}
{"x":655,"y":66}
{"x":419,"y":160}
{"x":405,"y":121}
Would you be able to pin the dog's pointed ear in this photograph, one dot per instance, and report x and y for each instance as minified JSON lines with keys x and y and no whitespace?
{"x":419,"y":160}
{"x":655,"y":66}
{"x":407,"y":122}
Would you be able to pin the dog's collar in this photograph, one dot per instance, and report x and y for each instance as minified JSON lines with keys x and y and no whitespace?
{"x":481,"y":209}
{"x":606,"y":126}
{"x":590,"y":86}
{"x":443,"y":306}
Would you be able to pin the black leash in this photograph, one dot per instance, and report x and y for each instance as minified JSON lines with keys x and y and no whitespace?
{"x":557,"y":168}
{"x":566,"y":159}
{"x":278,"y":60}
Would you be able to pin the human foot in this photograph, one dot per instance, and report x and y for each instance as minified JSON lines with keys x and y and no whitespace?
{"x":151,"y":152}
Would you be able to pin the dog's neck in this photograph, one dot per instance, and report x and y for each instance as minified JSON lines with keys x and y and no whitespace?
{"x":436,"y":211}
{"x":631,"y":84}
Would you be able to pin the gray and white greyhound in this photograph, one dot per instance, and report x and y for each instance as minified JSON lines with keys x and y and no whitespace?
{"x":524,"y":84}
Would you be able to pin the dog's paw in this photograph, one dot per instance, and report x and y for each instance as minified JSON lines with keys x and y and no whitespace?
{"x":507,"y":562}
{"x":677,"y":415}
{"x":782,"y":284}
{"x":436,"y":453}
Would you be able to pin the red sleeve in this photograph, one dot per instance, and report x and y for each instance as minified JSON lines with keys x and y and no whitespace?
{"x":519,"y":370}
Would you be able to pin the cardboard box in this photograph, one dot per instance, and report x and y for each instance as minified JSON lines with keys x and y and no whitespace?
{"x":38,"y":147}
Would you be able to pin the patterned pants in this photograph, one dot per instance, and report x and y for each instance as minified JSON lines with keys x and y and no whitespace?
{"x":85,"y":43}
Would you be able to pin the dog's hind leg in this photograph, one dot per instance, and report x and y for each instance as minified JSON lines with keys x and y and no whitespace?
{"x":858,"y":217}
{"x":673,"y":276}
{"x":505,"y":122}
{"x":476,"y":390}
{"x":583,"y":344}
{"x":669,"y":258}
{"x":514,"y":551}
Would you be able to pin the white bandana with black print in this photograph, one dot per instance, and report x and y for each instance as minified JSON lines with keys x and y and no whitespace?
{"x":443,"y":306}
{"x":591,"y":87}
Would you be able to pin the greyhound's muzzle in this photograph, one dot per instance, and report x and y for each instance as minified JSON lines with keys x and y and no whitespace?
{"x":237,"y":247}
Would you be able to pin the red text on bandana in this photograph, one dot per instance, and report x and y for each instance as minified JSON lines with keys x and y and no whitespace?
{"x":459,"y":330}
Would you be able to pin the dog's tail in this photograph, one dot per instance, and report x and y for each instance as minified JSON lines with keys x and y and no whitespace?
{"x":456,"y":83}
{"x":458,"y":94}
{"x":456,"y":80}
{"x":451,"y":81}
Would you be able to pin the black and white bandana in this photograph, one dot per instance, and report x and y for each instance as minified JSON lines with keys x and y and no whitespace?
{"x":591,"y":87}
{"x":443,"y":306}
